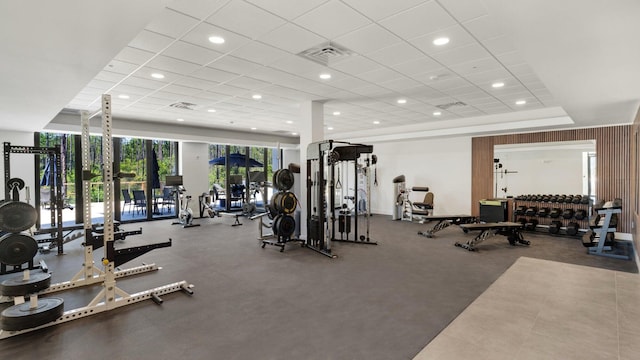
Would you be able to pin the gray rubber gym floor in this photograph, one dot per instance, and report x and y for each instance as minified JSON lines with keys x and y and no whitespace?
{"x":372,"y":302}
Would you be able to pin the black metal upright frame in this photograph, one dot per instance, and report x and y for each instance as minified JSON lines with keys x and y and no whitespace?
{"x":54,"y":156}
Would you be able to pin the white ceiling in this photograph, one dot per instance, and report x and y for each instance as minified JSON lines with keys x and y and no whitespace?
{"x":570,"y":57}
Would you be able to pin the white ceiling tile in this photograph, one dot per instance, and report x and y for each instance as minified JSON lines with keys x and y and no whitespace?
{"x":248,"y":83}
{"x":173,"y":65}
{"x":380,"y":75}
{"x":199,"y":9}
{"x":486,"y":78}
{"x":224,"y":91}
{"x":151,"y":41}
{"x":169,"y":96}
{"x":417,"y":66}
{"x":367,"y":39}
{"x":259,"y":53}
{"x":215,"y":75}
{"x":461,"y":55}
{"x":370,"y":90}
{"x":109,"y":76}
{"x":499,"y":45}
{"x":171,"y":23}
{"x":464,"y":10}
{"x":146,"y":82}
{"x":521,"y":69}
{"x":152,"y":100}
{"x":120,"y":67}
{"x":420,"y":20}
{"x":297,"y":65}
{"x":476,"y":66}
{"x":449,"y":83}
{"x":402,"y":85}
{"x":182,"y":90}
{"x":395,"y":54}
{"x":292,"y":38}
{"x":245,"y":19}
{"x":191,"y":53}
{"x":100,"y":84}
{"x":332,"y":20}
{"x":201,"y":33}
{"x":134,"y":56}
{"x":288,"y":9}
{"x":457,"y":35}
{"x":195,"y":82}
{"x":282,"y":91}
{"x":377,"y":10}
{"x":130,"y":90}
{"x":510,"y":58}
{"x":235,"y":65}
{"x":484,"y":27}
{"x":356,"y":65}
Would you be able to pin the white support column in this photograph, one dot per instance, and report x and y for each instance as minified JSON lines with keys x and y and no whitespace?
{"x":311,"y":130}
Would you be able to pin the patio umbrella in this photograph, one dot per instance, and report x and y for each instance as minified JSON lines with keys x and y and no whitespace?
{"x":235,"y":159}
{"x":46,"y":176}
{"x":155,"y":172}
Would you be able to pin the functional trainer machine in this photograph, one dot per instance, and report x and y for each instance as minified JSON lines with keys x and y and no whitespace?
{"x":509,"y":229}
{"x":330,"y":190}
{"x":444,"y":221}
{"x":34,"y":313}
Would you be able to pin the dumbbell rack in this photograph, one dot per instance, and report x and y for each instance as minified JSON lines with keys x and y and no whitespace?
{"x":544,"y":222}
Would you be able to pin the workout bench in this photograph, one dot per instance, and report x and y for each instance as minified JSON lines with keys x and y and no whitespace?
{"x":509,"y":229}
{"x":444,"y":221}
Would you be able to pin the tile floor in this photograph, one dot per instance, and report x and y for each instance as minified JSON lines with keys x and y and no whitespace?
{"x":540,"y":309}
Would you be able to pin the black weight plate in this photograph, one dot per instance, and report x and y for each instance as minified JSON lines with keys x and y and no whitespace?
{"x":19,"y":287}
{"x":283,"y":179}
{"x":284,"y":202}
{"x":20,"y":317}
{"x":554,"y":227}
{"x":16,"y":216}
{"x":17,"y":249}
{"x":284,"y":225}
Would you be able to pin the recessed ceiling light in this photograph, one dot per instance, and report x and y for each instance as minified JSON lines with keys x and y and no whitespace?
{"x":336,"y":113}
{"x":211,"y":110}
{"x":180,"y":120}
{"x":157,"y":76}
{"x":257,"y":96}
{"x":325,"y":76}
{"x":376,"y":122}
{"x":497,"y":84}
{"x":254,"y":128}
{"x":330,"y":128}
{"x":294,"y":133}
{"x":437,"y":113}
{"x":289,"y":122}
{"x":441,"y":41}
{"x":402,"y":101}
{"x":123,"y":96}
{"x":521,"y":102}
{"x":216,"y":39}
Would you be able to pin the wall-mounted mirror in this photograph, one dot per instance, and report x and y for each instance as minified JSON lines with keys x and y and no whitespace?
{"x":566,"y":167}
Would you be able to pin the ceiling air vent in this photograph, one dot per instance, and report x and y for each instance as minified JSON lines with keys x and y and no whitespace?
{"x":183,"y":105}
{"x":450,"y":105}
{"x":326,"y":53}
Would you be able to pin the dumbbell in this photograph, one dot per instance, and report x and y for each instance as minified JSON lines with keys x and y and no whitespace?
{"x":555,"y":226}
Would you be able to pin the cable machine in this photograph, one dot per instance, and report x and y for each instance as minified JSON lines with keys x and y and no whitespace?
{"x":336,"y":173}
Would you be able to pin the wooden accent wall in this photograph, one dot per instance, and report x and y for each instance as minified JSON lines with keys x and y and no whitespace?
{"x":634,"y":154}
{"x":613,"y":164}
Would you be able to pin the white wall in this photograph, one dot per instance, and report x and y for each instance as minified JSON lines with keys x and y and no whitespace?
{"x":21,"y":164}
{"x":541,"y":172}
{"x":194,"y":168}
{"x":444,"y":165}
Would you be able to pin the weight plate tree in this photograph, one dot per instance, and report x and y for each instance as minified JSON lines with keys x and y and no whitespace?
{"x":282,"y":204}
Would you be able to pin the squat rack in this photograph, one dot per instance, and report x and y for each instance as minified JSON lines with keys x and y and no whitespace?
{"x":110,"y":297}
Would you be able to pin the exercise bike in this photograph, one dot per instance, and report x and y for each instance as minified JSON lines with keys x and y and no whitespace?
{"x":185,"y":215}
